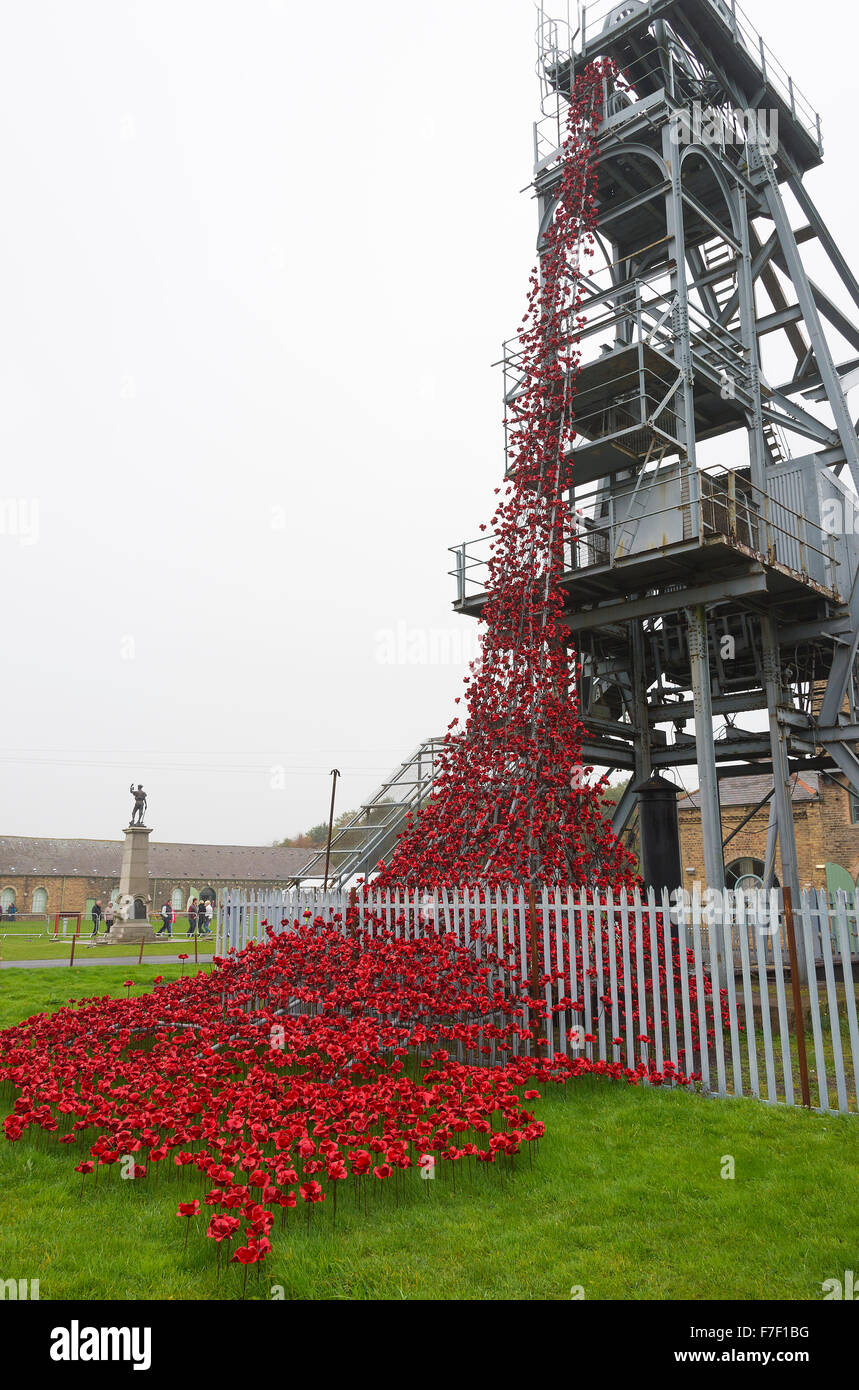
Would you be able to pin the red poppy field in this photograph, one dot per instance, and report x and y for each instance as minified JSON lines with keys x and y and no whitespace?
{"x":324,"y":1096}
{"x":313,"y":1065}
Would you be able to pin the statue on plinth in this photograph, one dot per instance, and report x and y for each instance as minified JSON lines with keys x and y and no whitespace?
{"x":139,"y":808}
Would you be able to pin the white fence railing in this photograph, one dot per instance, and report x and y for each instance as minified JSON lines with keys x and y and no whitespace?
{"x":702,"y":983}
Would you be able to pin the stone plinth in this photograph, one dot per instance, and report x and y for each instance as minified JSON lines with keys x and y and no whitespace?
{"x":131,"y":931}
{"x":134,"y":875}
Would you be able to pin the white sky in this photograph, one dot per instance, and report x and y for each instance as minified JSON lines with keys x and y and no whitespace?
{"x":258,"y":260}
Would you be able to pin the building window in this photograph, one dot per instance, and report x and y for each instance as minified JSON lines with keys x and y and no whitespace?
{"x":7,"y":899}
{"x":177,"y":900}
{"x":854,"y":808}
{"x":745,"y":873}
{"x":40,"y":900}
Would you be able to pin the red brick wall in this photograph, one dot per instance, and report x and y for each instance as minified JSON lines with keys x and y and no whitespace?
{"x":822,"y":827}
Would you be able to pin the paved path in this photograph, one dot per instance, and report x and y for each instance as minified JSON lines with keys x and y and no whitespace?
{"x":97,"y":960}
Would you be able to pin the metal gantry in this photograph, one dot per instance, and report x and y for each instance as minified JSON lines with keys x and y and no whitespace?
{"x":716,"y":466}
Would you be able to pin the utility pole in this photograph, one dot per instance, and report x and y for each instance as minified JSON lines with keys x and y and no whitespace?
{"x":334,"y":775}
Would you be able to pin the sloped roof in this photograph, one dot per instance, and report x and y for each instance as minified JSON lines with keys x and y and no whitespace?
{"x":24,"y":854}
{"x":748,"y":791}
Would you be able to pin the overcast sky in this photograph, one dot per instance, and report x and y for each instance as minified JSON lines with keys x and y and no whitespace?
{"x":258,"y":260}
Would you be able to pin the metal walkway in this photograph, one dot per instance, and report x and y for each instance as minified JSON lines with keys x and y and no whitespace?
{"x":357,"y":847}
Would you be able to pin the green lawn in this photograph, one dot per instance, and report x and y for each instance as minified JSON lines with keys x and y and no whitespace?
{"x":29,"y":941}
{"x":26,"y":992}
{"x":625,"y":1199}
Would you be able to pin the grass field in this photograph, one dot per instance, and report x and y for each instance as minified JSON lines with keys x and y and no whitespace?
{"x":27,"y":940}
{"x":625,"y":1200}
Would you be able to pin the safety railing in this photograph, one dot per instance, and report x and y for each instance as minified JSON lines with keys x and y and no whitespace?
{"x":597,"y":20}
{"x":729,"y":507}
{"x":638,"y":311}
{"x":643,"y":315}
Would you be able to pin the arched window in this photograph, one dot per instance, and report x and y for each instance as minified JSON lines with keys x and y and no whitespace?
{"x":7,"y":899}
{"x":178,"y":900}
{"x":746,"y":873}
{"x":40,"y":900}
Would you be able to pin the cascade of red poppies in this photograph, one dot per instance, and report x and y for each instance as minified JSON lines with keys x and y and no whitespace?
{"x":512,"y":801}
{"x":322,"y":1061}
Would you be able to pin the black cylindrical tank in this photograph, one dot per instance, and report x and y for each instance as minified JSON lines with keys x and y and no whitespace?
{"x":659,"y":830}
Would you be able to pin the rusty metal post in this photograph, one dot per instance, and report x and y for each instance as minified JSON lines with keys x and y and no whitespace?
{"x":72,"y":956}
{"x":140,"y":952}
{"x":535,"y":973}
{"x":797,"y":997}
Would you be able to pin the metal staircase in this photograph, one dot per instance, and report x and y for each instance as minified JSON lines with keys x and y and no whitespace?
{"x":719,"y":259}
{"x":357,"y":847}
{"x":775,"y":441}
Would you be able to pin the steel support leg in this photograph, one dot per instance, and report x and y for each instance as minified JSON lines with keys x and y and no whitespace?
{"x":711,"y":819}
{"x":772,"y":841}
{"x":781,"y":771}
{"x":639,"y":703}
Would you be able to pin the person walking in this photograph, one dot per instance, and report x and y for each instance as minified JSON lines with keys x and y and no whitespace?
{"x":96,"y":917}
{"x":166,"y":920}
{"x":109,"y":917}
{"x":192,"y":917}
{"x":206,"y":920}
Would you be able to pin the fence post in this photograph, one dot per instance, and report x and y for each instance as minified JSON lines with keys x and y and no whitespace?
{"x":799,"y":1021}
{"x":535,"y":973}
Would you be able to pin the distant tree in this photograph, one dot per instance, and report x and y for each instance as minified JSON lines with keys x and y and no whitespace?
{"x":613,"y":792}
{"x":317,"y":836}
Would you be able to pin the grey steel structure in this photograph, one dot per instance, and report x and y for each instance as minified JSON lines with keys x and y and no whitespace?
{"x":714,"y":572}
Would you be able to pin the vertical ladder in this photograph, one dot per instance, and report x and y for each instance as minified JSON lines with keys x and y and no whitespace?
{"x":637,"y":506}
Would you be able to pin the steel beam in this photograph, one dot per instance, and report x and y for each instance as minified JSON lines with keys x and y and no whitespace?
{"x":711,"y":820}
{"x":847,"y":761}
{"x":808,"y":302}
{"x":753,"y":582}
{"x":624,"y":808}
{"x":772,"y":839}
{"x":722,"y":704}
{"x":842,"y":733}
{"x":824,"y":238}
{"x":778,"y":742}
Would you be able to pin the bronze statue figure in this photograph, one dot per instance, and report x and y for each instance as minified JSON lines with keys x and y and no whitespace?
{"x":139,"y":804}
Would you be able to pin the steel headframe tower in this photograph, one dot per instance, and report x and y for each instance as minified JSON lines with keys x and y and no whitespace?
{"x":714,"y":572}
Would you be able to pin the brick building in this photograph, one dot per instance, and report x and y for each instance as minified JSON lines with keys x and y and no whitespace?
{"x":826,"y":821}
{"x":49,"y":876}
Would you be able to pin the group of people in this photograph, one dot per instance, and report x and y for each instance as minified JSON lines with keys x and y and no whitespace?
{"x":99,"y":914}
{"x":199,"y":918}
